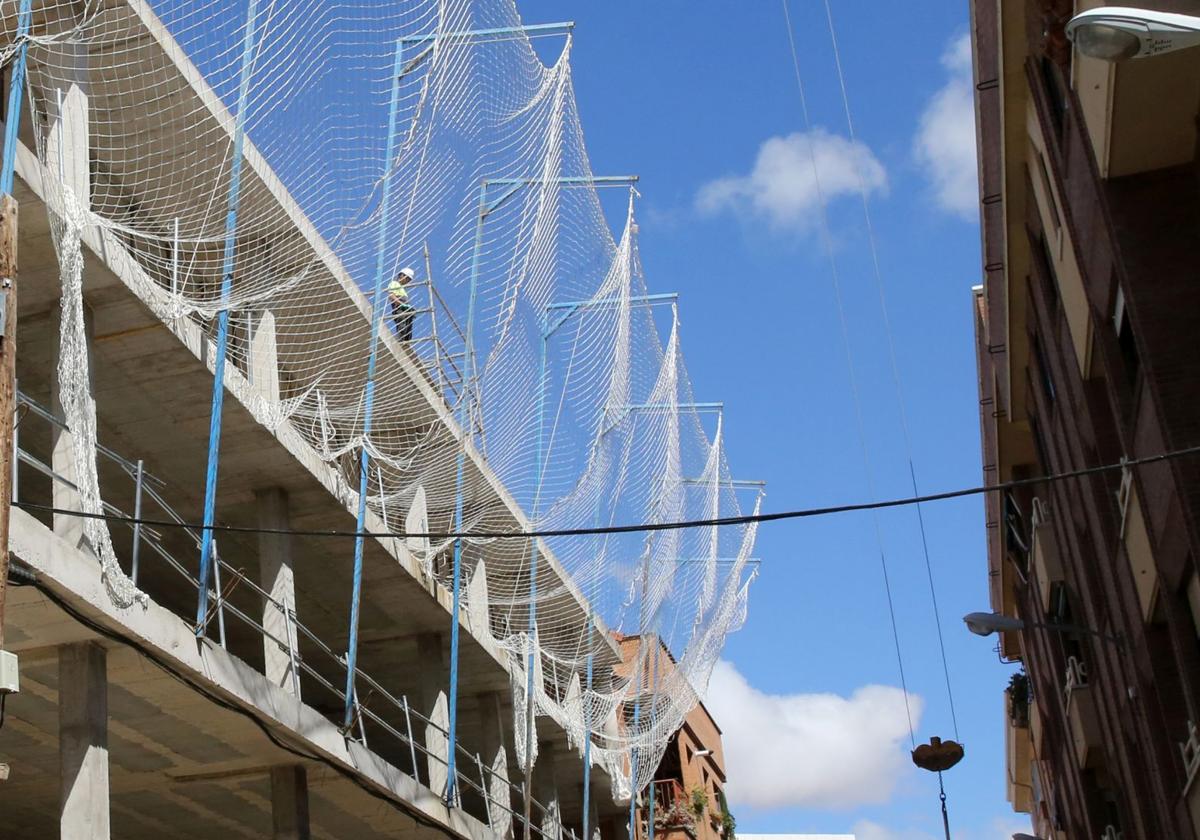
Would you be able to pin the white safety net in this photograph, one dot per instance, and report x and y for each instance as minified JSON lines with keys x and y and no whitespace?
{"x":543,"y":385}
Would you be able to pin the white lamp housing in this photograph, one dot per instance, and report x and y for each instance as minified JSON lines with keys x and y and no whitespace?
{"x":985,"y":624}
{"x":1116,"y":33}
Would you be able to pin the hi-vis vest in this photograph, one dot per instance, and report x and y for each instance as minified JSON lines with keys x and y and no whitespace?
{"x":398,"y":290}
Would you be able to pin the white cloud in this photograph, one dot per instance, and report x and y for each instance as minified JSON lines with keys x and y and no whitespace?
{"x":867,"y":830}
{"x":1003,"y":828}
{"x":812,"y":750}
{"x":1000,"y":828}
{"x":781,"y":187}
{"x":945,"y":141}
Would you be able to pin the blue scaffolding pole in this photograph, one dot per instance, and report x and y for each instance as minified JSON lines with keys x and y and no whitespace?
{"x":633,"y":770}
{"x":565,"y":311}
{"x":16,"y":91}
{"x":587,"y":729}
{"x":653,"y":721}
{"x":218,"y":397}
{"x":377,"y":306}
{"x":487,"y":206}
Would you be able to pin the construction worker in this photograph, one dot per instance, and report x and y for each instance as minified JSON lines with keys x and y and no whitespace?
{"x":402,"y":310}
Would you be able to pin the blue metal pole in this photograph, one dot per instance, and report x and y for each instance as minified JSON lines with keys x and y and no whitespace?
{"x":653,"y":720}
{"x":369,"y":396}
{"x":533,"y":549}
{"x":573,"y":181}
{"x":587,"y":733}
{"x":633,"y":768}
{"x":535,"y":29}
{"x":465,"y":429}
{"x":663,"y":297}
{"x":12,"y":116}
{"x":218,"y":398}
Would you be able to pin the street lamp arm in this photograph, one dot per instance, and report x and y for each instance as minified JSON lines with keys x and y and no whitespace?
{"x":1075,"y":628}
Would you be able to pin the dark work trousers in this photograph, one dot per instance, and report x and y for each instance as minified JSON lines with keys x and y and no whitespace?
{"x":402,"y":319}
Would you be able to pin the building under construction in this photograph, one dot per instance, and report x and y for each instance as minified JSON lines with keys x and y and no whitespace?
{"x":275,"y":560}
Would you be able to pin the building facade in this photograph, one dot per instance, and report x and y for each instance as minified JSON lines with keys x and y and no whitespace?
{"x":689,"y":783}
{"x":1085,"y":324}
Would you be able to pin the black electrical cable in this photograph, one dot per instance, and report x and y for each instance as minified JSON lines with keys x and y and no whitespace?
{"x":746,"y":519}
{"x":182,"y":677}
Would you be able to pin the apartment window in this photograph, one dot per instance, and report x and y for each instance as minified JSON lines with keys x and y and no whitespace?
{"x":689,"y":753}
{"x":1051,"y":284}
{"x":1125,"y":339}
{"x":1056,"y":96}
{"x":1051,"y":204}
{"x":1016,"y":534}
{"x":1039,"y":445}
{"x":1043,"y":369}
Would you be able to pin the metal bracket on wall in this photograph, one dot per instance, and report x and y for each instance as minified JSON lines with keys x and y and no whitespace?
{"x":5,"y":284}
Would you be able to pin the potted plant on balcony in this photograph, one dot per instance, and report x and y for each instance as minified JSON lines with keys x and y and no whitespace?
{"x":699,"y":802}
{"x":676,"y":817}
{"x":728,"y":823}
{"x":1018,"y":699}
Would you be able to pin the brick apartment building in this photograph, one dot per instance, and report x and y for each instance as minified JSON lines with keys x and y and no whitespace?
{"x":689,"y":782}
{"x":1087,"y":324}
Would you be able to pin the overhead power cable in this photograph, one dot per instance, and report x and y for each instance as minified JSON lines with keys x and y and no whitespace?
{"x":835,"y":281}
{"x":891,"y":345}
{"x":172,"y":670}
{"x":747,"y":519}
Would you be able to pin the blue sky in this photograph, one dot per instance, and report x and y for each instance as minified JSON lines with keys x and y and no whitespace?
{"x":700,"y":99}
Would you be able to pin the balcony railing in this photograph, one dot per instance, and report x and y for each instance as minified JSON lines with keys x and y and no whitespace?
{"x":238,"y":600}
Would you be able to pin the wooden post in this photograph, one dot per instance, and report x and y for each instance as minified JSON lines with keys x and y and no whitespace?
{"x":8,"y":379}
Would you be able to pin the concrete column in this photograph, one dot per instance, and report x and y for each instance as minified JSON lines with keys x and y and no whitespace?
{"x":493,"y":726}
{"x":431,"y":702}
{"x":62,"y":457}
{"x":67,"y":153}
{"x":277,"y":579}
{"x":83,"y":741}
{"x":545,"y":789}
{"x":593,"y":810}
{"x":289,"y":803}
{"x":264,"y":356}
{"x":620,"y":827}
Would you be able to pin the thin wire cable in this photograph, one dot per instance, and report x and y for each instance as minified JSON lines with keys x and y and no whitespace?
{"x":891,"y":343}
{"x":747,"y":519}
{"x":827,"y":238}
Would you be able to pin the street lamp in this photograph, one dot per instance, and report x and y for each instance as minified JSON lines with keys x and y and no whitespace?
{"x":1117,"y":33}
{"x":985,"y":624}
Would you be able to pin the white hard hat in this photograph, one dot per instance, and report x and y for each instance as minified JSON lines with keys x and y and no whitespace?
{"x":410,"y":273}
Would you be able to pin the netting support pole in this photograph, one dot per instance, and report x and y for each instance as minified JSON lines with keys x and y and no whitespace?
{"x":16,"y":90}
{"x":653,"y":721}
{"x":587,"y":732}
{"x":364,"y":466}
{"x":218,"y":398}
{"x":466,"y":426}
{"x":487,"y":205}
{"x":633,"y":768}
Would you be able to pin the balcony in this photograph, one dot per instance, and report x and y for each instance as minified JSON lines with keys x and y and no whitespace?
{"x":1082,"y":719}
{"x":1018,"y":751}
{"x":673,"y":816}
{"x":1046,"y":566}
